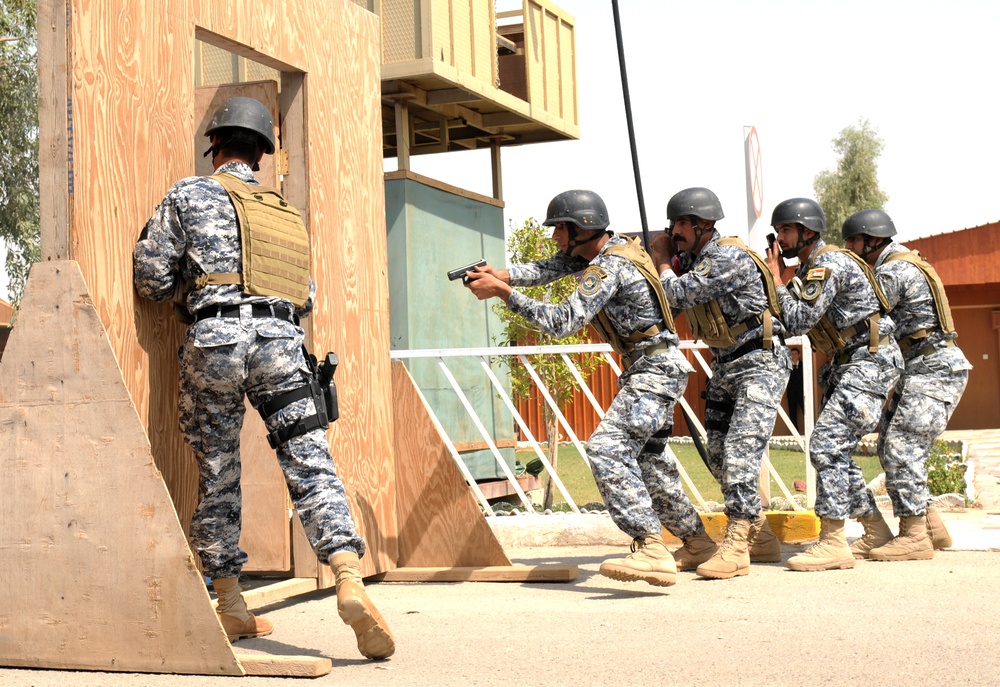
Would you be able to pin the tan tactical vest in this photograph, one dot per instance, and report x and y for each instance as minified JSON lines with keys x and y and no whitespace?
{"x":632,"y":251}
{"x":709,"y":324}
{"x":825,"y":336}
{"x":941,"y":305}
{"x":274,"y":240}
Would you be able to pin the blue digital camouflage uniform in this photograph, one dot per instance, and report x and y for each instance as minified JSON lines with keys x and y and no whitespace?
{"x":928,"y":390}
{"x":744,"y":391}
{"x":856,"y":384}
{"x":193,"y":232}
{"x":637,"y":477}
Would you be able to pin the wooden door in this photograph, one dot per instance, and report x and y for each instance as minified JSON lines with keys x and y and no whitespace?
{"x":266,"y":504}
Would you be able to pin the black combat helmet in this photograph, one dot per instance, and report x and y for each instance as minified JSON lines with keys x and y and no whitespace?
{"x":585,"y":209}
{"x":245,"y":113}
{"x":694,"y":202}
{"x":804,"y":211}
{"x":868,"y":223}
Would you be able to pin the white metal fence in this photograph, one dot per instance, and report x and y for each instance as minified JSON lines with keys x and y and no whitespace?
{"x":485,"y":358}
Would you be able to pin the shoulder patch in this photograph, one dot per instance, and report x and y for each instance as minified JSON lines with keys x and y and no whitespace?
{"x":811,"y":289}
{"x":590,"y":283}
{"x":703,"y":267}
{"x":817,"y":274}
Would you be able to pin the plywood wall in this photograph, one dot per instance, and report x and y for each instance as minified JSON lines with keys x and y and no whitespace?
{"x":129,"y":131}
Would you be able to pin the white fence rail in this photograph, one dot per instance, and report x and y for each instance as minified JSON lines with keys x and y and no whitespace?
{"x":485,"y":356}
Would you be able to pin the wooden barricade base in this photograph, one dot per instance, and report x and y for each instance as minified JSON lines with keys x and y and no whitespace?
{"x":486,"y":573}
{"x":264,"y":665}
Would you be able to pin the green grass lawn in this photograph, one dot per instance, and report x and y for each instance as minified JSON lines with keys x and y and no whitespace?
{"x":580,"y":482}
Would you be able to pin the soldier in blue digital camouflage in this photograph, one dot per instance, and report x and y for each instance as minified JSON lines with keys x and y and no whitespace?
{"x":836,"y":301}
{"x":244,"y":340}
{"x":620,"y":294}
{"x":728,"y":297}
{"x":935,"y":376}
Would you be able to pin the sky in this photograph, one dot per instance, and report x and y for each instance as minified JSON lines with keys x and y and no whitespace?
{"x":924,"y":74}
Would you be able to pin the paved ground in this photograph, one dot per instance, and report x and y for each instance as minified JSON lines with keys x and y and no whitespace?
{"x":918,"y":624}
{"x":928,"y":623}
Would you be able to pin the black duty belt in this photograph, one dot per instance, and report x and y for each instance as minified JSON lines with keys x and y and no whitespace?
{"x":751,"y":345}
{"x":279,"y":311}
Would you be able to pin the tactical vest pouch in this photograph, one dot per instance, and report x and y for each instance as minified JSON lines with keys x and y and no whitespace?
{"x":825,"y":336}
{"x":274,"y":242}
{"x":709,"y":324}
{"x":633,"y":252}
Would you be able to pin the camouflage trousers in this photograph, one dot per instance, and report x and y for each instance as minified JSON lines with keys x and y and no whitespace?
{"x":222,"y":360}
{"x":635,"y":471}
{"x":855,"y":395}
{"x":742,"y":400}
{"x":919,"y":410}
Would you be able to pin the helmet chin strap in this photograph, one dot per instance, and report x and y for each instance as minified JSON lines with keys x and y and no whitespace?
{"x":868,"y":248}
{"x":802,"y":243}
{"x":572,"y":232}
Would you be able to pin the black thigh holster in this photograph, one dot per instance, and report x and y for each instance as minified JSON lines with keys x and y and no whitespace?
{"x":320,"y":387}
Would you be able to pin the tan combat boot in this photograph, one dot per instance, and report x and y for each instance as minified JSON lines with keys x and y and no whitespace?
{"x":877,"y":533}
{"x":237,"y":621}
{"x":733,"y":556}
{"x":764,"y":544}
{"x":696,"y":550}
{"x":831,"y":552}
{"x":650,"y":562}
{"x":912,"y":544}
{"x":356,"y":609}
{"x":940,"y":536}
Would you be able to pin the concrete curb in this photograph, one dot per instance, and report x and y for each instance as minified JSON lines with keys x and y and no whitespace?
{"x":597,"y":529}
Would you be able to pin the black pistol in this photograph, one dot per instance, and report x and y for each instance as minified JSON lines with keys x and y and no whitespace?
{"x":460,"y":272}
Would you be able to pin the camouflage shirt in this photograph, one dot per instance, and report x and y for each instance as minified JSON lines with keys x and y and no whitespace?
{"x":610,"y":283}
{"x":725,"y":274}
{"x":832,"y":283}
{"x":194,"y":231}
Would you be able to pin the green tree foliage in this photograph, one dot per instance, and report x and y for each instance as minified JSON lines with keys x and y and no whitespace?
{"x":18,"y":140}
{"x":854,"y":184}
{"x":528,"y":243}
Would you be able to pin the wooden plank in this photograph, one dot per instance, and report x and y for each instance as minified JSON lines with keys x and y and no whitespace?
{"x":440,"y":523}
{"x":347,"y":211}
{"x":278,"y":591}
{"x":464,"y":446}
{"x":55,"y":168}
{"x":97,"y":573}
{"x":549,"y":572}
{"x":502,"y":487}
{"x":264,"y":665}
